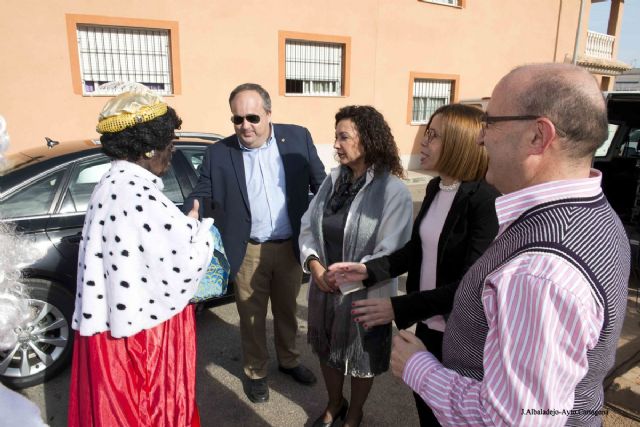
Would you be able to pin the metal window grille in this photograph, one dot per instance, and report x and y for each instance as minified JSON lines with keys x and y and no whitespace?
{"x":428,"y":96}
{"x":313,"y":68}
{"x":449,"y":2}
{"x":124,"y":54}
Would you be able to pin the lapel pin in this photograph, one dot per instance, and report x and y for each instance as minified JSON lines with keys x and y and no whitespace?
{"x":282,"y":140}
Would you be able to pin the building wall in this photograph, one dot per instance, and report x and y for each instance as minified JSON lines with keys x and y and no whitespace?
{"x":629,"y":81}
{"x":222,"y":44}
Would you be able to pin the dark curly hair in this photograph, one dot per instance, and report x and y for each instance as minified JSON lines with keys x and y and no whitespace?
{"x":380,"y":149}
{"x":131,"y":143}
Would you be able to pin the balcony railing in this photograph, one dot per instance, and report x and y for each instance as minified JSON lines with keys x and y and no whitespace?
{"x":599,"y":45}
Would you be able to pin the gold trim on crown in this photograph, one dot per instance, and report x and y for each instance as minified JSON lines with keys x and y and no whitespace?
{"x":126,"y":120}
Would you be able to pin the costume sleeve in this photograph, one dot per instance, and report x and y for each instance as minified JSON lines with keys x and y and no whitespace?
{"x":534,"y":356}
{"x":142,"y":258}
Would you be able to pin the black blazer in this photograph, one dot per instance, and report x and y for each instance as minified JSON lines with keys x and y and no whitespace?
{"x":470,"y":227}
{"x":222,"y":188}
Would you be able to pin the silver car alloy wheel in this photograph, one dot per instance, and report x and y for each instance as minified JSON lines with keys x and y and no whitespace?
{"x":41,"y":342}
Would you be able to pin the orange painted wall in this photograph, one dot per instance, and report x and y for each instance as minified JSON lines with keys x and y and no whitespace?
{"x":223,"y":43}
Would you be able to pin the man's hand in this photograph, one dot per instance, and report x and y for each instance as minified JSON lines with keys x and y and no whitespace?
{"x":320,"y":277}
{"x":372,"y":312}
{"x":193,"y":213}
{"x":347,"y":272}
{"x":405,"y":345}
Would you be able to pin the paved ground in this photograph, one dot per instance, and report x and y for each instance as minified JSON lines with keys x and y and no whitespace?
{"x":222,"y":401}
{"x":622,"y":386}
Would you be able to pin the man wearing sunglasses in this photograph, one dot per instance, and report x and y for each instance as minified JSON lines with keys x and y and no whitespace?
{"x":536,"y":320}
{"x":256,"y":185}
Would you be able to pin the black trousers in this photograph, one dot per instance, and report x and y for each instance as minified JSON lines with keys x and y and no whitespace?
{"x":433,"y":341}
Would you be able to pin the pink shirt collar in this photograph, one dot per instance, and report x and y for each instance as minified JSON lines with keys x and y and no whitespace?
{"x":510,"y":206}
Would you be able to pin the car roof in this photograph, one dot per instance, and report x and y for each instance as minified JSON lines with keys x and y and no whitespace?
{"x":75,"y":149}
{"x":33,"y":161}
{"x":58,"y":152}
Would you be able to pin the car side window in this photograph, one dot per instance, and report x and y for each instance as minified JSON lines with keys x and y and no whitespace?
{"x":194,"y":156}
{"x":604,"y":148}
{"x":84,"y":178}
{"x":33,"y":200}
{"x":88,"y":174}
{"x":630,"y":146}
{"x":171,"y":186}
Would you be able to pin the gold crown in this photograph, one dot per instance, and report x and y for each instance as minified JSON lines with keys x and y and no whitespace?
{"x":126,"y":120}
{"x":136,"y":105}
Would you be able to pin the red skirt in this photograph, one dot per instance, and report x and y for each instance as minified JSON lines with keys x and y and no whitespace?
{"x":147,"y":379}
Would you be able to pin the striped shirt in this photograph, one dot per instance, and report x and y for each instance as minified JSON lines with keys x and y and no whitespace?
{"x":543,"y":319}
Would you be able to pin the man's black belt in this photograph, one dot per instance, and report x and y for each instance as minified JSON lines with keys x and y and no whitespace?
{"x":255,"y":242}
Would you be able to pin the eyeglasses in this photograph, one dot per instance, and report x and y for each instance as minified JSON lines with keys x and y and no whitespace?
{"x":430,"y":135}
{"x":251,"y":118}
{"x":486,"y":120}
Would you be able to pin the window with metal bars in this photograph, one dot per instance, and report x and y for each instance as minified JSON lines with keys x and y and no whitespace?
{"x":314,"y":68}
{"x":109,"y":53}
{"x":428,"y":96}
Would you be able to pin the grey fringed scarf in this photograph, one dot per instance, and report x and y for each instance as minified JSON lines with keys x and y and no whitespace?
{"x":332,"y":330}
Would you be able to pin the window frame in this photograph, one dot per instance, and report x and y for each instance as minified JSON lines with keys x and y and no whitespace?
{"x":461,"y":3}
{"x":61,"y":175}
{"x":174,"y":42}
{"x":413,"y":76}
{"x":283,"y":36}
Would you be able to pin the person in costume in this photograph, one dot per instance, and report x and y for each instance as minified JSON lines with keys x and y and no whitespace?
{"x":361,"y":211}
{"x":140,"y":262}
{"x":15,"y":313}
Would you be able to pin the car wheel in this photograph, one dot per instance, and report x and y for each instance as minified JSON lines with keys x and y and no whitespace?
{"x":45,"y":343}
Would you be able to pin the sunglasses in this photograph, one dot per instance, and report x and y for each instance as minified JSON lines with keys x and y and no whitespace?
{"x":251,"y":118}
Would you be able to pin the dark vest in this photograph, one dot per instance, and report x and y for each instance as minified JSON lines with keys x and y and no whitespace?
{"x":587,"y":233}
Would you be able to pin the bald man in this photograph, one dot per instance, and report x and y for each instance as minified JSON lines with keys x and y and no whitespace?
{"x":536,"y":320}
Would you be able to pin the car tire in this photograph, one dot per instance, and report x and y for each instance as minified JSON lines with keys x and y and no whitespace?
{"x":45,"y":343}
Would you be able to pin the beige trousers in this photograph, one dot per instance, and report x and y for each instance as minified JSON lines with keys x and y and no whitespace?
{"x":269,"y":270}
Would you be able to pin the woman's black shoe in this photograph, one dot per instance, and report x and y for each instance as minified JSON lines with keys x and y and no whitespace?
{"x":340,"y":414}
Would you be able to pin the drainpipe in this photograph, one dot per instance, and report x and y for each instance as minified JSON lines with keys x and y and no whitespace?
{"x":578,"y":33}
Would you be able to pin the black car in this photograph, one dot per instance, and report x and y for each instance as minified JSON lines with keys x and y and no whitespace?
{"x":619,"y":158}
{"x":45,"y":192}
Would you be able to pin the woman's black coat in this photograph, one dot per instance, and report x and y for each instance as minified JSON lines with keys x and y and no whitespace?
{"x":470,"y":227}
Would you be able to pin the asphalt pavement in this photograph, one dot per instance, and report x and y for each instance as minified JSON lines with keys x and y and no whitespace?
{"x":220,"y":396}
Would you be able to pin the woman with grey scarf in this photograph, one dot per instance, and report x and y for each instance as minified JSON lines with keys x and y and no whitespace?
{"x":362,"y":211}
